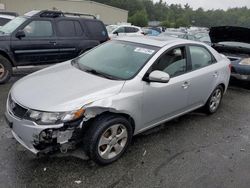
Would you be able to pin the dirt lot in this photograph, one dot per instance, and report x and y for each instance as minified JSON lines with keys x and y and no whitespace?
{"x":195,"y":150}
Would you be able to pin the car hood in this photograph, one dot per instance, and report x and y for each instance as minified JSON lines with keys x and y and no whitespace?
{"x":229,"y":33}
{"x":62,"y":87}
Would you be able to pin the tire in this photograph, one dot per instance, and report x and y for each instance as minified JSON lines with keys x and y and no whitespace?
{"x":108,"y":138}
{"x":214,"y":100}
{"x":5,"y":70}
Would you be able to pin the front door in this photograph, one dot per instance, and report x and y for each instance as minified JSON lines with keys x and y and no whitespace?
{"x":39,"y":44}
{"x":165,"y":100}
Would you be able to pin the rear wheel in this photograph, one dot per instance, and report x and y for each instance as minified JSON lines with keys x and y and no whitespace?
{"x":214,"y":100}
{"x":108,"y":138}
{"x":5,"y":70}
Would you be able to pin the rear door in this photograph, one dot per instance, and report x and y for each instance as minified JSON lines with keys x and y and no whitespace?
{"x":39,"y":44}
{"x":69,"y":36}
{"x":204,"y":72}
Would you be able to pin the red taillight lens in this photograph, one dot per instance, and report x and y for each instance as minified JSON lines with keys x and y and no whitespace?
{"x":230,"y":67}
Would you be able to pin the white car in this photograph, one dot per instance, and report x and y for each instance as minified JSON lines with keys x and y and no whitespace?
{"x":5,"y":19}
{"x":124,"y":30}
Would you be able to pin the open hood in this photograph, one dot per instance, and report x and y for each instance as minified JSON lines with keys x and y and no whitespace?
{"x":229,"y":34}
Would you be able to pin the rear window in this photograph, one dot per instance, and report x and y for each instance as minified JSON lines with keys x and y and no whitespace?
{"x":3,"y":21}
{"x":68,"y":28}
{"x":97,"y":30}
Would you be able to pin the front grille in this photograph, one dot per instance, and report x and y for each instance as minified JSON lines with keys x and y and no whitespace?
{"x":16,"y":109}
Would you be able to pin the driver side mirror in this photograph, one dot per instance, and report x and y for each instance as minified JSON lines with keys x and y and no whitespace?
{"x":116,"y":33}
{"x":20,"y":34}
{"x":159,"y":76}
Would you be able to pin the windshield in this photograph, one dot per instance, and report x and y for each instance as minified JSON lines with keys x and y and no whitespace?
{"x":12,"y":25}
{"x":235,"y":44}
{"x":111,"y":28}
{"x":116,"y":59}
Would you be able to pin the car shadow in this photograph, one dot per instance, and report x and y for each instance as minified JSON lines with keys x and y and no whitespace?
{"x":240,"y":84}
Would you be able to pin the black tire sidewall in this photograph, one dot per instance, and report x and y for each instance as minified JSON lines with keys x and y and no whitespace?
{"x":99,"y":127}
{"x":8,"y":69}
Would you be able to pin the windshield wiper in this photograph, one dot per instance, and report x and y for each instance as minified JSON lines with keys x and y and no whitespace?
{"x":93,"y":71}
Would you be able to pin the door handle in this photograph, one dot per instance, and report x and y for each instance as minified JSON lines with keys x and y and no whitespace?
{"x":52,"y":42}
{"x":185,"y":85}
{"x":216,"y":74}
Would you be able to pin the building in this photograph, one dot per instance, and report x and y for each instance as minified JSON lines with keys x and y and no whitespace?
{"x":108,"y":14}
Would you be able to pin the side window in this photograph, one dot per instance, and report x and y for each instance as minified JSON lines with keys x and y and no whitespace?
{"x":120,"y":30}
{"x":174,"y":62}
{"x":96,"y":30}
{"x":129,"y":29}
{"x":38,"y":29}
{"x":78,"y":28}
{"x":200,"y":57}
{"x":136,"y":30}
{"x":3,"y":21}
{"x":66,"y":28}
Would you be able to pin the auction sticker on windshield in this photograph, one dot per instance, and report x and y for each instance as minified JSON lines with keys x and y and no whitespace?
{"x":144,"y":51}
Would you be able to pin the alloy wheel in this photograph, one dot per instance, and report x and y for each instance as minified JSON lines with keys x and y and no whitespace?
{"x":112,"y":141}
{"x":215,"y":100}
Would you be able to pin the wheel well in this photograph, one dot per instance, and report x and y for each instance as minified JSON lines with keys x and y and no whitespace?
{"x":7,"y":57}
{"x":128,"y":117}
{"x":223,"y":86}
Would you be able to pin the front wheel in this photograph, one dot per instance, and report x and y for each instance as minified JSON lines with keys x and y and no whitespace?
{"x":5,"y":70}
{"x":108,"y":138}
{"x":214,"y":100}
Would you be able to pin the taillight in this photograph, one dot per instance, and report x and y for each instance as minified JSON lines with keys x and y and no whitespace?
{"x":230,"y":67}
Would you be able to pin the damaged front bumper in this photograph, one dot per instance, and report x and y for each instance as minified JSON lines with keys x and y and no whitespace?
{"x":42,"y":139}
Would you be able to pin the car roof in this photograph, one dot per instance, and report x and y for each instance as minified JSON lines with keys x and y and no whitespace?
{"x":153,"y":41}
{"x":7,"y":16}
{"x":123,"y":25}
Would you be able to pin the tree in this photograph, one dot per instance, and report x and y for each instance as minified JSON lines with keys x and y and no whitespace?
{"x":175,"y":15}
{"x":140,"y":18}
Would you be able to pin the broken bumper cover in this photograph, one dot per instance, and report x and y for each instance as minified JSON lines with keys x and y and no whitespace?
{"x":33,"y":136}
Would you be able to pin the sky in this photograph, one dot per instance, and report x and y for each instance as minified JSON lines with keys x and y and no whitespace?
{"x":211,"y":4}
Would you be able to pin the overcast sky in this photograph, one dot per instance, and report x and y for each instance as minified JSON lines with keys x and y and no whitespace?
{"x":211,"y":4}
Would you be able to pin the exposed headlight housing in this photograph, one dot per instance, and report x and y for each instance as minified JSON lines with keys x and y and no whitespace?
{"x":245,"y":61}
{"x":47,"y":118}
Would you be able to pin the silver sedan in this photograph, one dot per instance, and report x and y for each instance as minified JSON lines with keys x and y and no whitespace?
{"x":119,"y":89}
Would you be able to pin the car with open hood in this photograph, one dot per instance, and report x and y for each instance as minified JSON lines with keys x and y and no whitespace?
{"x":112,"y":92}
{"x":233,"y":42}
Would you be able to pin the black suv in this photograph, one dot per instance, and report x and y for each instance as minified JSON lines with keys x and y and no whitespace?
{"x":44,"y":37}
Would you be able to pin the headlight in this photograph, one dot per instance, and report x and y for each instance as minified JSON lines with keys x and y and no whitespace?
{"x":245,"y":61}
{"x":46,"y":118}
